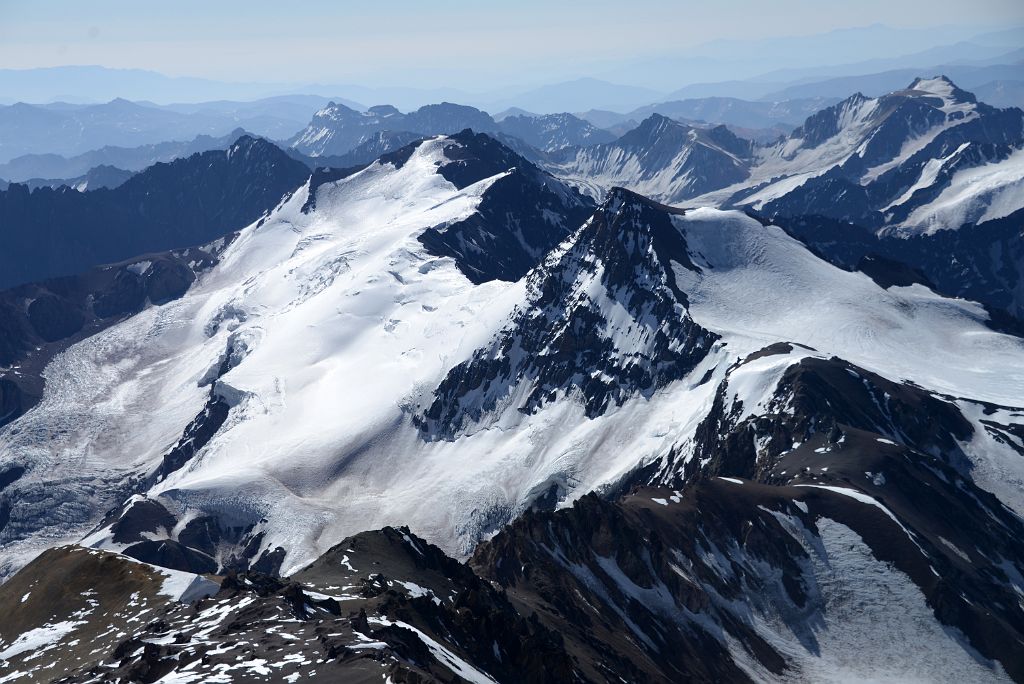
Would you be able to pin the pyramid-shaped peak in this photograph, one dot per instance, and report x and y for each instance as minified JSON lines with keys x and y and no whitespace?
{"x":941,"y":86}
{"x":473,"y":156}
{"x":658,"y":121}
{"x":334,"y":110}
{"x":620,"y":200}
{"x":253,"y":146}
{"x":653,"y":128}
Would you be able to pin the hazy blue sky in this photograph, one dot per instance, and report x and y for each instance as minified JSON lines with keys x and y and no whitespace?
{"x":442,"y":42}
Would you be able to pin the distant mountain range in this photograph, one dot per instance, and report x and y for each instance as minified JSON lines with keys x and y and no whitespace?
{"x":762,"y":121}
{"x":909,"y":176}
{"x":96,"y":177}
{"x":662,"y":158}
{"x":338,"y":129}
{"x":969,"y":76}
{"x":31,"y":166}
{"x":605,"y":84}
{"x":71,"y":130}
{"x":759,"y":108}
{"x":189,"y":201}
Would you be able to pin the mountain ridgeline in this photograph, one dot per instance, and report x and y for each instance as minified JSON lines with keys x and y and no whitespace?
{"x":50,"y":232}
{"x":431,"y":397}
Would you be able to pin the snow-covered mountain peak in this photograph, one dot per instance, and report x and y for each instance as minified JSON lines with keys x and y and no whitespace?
{"x":628,"y":225}
{"x":620,"y":202}
{"x":661,"y":132}
{"x":852,"y":114}
{"x":469,"y":156}
{"x":915,"y":160}
{"x":878,"y":132}
{"x":944,"y":89}
{"x":333,"y":111}
{"x":523,"y":216}
{"x":337,"y":129}
{"x":309,"y":342}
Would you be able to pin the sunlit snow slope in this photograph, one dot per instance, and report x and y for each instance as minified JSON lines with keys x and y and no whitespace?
{"x":327,"y":335}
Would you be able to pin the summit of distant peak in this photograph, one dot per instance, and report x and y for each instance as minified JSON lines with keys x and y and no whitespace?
{"x":940,"y":82}
{"x":654,"y":127}
{"x":657,"y":119}
{"x":384,"y":110}
{"x":253,"y":146}
{"x":941,"y":86}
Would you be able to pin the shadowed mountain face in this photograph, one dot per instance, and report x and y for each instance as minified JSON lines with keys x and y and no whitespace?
{"x":615,"y":442}
{"x":623,"y":254}
{"x":53,"y":232}
{"x":506,"y":237}
{"x":987,"y":263}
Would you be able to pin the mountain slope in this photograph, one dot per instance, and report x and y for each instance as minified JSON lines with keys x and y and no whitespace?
{"x":740,"y":581}
{"x":623,"y":330}
{"x":662,"y":158}
{"x":52,"y":232}
{"x":439,"y":340}
{"x":867,"y":177}
{"x":552,"y":132}
{"x":404,"y":303}
{"x":40,"y":320}
{"x":918,"y":160}
{"x":736,"y":112}
{"x":657,"y":306}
